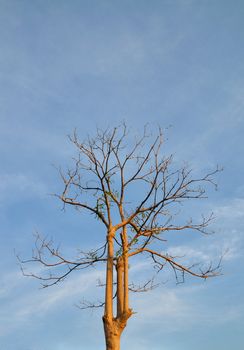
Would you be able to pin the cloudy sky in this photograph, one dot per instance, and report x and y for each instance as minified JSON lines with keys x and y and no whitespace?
{"x":81,"y":64}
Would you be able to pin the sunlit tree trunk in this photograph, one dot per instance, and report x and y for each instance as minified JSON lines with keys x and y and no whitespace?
{"x":114,"y":326}
{"x":108,"y":312}
{"x":120,"y":286}
{"x":112,"y":334}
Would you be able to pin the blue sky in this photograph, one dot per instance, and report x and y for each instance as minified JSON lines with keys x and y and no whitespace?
{"x":67,"y":64}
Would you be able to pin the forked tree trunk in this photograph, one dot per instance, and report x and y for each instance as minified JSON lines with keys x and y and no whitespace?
{"x":113,"y":329}
{"x":112,"y":334}
{"x":114,"y":326}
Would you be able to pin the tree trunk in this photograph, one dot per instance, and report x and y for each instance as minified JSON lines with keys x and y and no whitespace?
{"x":120,"y":286}
{"x":114,"y":326}
{"x":112,"y":334}
{"x":113,"y":329}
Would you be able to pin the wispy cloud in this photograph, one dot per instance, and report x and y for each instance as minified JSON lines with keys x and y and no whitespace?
{"x":227,"y":244}
{"x":232,"y":210}
{"x":30,"y":302}
{"x":14,"y":185}
{"x":178,"y":308}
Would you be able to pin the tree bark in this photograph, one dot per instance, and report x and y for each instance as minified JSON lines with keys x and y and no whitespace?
{"x":126,"y":271}
{"x":113,"y":330}
{"x":112,"y":334}
{"x":114,"y":326}
{"x":120,"y":286}
{"x":109,"y":278}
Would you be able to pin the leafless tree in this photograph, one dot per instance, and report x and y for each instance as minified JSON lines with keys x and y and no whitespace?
{"x":133,"y":189}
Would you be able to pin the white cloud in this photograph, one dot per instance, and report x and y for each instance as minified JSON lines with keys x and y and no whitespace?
{"x":231,"y":211}
{"x":189,"y":253}
{"x":228,"y":239}
{"x":19,"y":310}
{"x":225,"y":245}
{"x":9,"y":281}
{"x":179,"y":308}
{"x":14,"y":185}
{"x":44,"y":301}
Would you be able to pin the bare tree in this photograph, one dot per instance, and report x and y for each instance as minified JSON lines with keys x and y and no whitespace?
{"x":133,"y":189}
